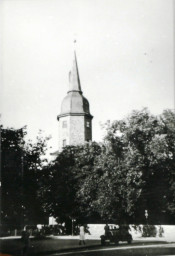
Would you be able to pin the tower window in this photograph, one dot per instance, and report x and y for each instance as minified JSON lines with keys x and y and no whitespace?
{"x":88,"y":124}
{"x":64,"y":124}
{"x":64,"y":143}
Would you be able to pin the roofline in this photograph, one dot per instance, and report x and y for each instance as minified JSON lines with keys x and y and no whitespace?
{"x":80,"y":92}
{"x":74,"y":114}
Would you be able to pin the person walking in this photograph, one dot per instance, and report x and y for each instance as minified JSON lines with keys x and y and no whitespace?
{"x":82,"y":235}
{"x":25,"y":241}
{"x":106,"y":228}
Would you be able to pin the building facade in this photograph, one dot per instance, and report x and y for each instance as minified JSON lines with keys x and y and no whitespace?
{"x":75,"y":120}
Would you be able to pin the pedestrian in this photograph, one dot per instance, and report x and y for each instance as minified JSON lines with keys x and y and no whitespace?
{"x":82,"y":235}
{"x":86,"y":229}
{"x":106,"y":228}
{"x":25,"y":241}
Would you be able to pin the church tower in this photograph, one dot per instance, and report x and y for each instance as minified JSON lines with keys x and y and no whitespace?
{"x":75,"y":120}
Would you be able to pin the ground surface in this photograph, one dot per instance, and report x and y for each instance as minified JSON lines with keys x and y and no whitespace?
{"x":123,"y":250}
{"x":68,"y":245}
{"x":57,"y":246}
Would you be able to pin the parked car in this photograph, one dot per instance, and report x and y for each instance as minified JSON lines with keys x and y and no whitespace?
{"x":115,"y":235}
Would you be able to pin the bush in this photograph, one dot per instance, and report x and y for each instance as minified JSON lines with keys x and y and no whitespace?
{"x":149,"y":231}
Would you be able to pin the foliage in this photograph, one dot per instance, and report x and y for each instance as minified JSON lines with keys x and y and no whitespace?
{"x":149,"y":231}
{"x":20,"y":171}
{"x":11,"y":176}
{"x":63,"y":178}
{"x":148,"y":148}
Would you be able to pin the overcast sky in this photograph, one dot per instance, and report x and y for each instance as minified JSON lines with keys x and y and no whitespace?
{"x":124,"y":52}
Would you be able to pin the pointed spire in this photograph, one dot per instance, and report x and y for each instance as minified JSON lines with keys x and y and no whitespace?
{"x":74,"y":79}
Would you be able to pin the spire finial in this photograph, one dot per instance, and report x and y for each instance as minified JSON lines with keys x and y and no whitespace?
{"x":75,"y":41}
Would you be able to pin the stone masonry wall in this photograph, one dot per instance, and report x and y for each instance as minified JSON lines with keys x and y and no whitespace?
{"x":77,"y":133}
{"x":64,"y":133}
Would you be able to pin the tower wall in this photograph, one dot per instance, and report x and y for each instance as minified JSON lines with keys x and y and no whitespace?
{"x":74,"y":130}
{"x":64,"y":132}
{"x":77,"y":132}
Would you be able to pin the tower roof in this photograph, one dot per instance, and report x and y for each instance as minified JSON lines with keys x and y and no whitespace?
{"x":74,"y":79}
{"x":74,"y":103}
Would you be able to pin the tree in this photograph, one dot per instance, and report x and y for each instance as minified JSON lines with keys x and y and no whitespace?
{"x":163,"y":149}
{"x":11,"y":174}
{"x":63,"y":178}
{"x":109,"y":190}
{"x":33,"y":163}
{"x":148,"y":148}
{"x":21,"y":170}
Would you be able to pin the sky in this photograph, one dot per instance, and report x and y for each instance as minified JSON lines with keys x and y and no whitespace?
{"x":125,"y":54}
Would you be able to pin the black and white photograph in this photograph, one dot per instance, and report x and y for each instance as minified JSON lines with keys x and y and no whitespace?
{"x":87,"y":110}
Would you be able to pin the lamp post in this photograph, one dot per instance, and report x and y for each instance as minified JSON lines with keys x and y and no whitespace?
{"x":22,"y":190}
{"x":22,"y":177}
{"x":73,"y":226}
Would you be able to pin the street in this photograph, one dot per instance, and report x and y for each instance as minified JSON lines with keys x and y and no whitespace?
{"x":124,"y":250}
{"x":57,"y":246}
